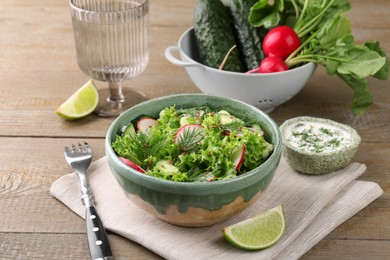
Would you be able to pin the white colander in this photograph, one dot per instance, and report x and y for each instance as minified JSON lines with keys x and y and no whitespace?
{"x":264,"y":91}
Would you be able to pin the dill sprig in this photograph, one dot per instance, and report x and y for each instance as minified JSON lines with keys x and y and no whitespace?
{"x":140,"y":147}
{"x":195,"y":173}
{"x":194,"y":112}
{"x":190,"y":139}
{"x":236,"y":125}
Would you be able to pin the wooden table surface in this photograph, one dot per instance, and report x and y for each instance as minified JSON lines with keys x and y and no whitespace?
{"x":38,"y":71}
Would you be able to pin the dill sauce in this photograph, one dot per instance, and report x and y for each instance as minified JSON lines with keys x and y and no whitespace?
{"x":317,"y":146}
{"x":317,"y":137}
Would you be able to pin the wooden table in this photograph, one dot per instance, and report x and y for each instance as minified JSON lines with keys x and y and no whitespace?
{"x":38,"y":71}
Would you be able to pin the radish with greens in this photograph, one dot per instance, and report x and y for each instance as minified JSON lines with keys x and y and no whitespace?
{"x":280,"y":42}
{"x":272,"y":64}
{"x":326,"y":39}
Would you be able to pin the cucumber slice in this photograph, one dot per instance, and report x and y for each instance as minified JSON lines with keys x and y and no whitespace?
{"x":129,"y":130}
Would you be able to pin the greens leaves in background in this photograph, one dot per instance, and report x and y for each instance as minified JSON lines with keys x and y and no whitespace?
{"x":327,"y":39}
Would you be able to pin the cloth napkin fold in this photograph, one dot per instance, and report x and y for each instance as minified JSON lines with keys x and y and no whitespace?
{"x":313,"y":206}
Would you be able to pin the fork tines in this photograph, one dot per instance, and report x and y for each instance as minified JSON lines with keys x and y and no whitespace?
{"x":80,"y":148}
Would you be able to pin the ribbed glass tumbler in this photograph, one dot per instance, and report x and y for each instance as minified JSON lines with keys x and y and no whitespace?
{"x":111,"y":40}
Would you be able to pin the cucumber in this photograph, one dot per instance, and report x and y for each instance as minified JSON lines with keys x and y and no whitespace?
{"x":215,"y":36}
{"x":249,"y":38}
{"x":129,"y":130}
{"x":166,"y":167}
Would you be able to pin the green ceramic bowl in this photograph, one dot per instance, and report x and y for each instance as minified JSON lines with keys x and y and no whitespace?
{"x":335,"y":147}
{"x":194,"y":204}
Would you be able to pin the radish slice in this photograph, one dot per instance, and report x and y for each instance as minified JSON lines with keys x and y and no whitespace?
{"x":209,"y":176}
{"x":237,"y":156}
{"x":131,"y":164}
{"x":227,"y":132}
{"x":190,"y":129}
{"x":145,"y":124}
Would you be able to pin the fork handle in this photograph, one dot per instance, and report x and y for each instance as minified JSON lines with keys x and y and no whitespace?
{"x":99,"y":246}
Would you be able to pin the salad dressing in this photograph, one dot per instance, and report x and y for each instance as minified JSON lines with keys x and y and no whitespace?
{"x":317,"y":137}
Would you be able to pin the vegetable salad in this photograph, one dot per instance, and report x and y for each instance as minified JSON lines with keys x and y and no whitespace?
{"x":192,"y":145}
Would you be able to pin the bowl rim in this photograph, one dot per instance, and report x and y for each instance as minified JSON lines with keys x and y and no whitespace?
{"x":217,"y":185}
{"x":355,"y":137}
{"x":308,"y":65}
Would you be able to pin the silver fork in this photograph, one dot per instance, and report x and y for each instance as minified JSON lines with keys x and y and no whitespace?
{"x":79,"y":158}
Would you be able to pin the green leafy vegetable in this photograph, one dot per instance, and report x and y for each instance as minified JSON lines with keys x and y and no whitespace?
{"x":327,"y":40}
{"x":264,"y":14}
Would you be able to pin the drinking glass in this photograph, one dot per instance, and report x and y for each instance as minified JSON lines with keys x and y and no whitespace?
{"x":111,"y":39}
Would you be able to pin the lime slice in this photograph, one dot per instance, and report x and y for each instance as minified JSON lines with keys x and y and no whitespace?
{"x":258,"y":232}
{"x":82,"y":103}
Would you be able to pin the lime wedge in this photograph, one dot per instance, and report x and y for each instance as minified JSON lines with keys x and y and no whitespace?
{"x":82,"y":103}
{"x":258,"y":232}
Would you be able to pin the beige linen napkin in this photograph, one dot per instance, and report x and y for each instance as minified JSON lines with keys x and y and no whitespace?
{"x":313,"y":205}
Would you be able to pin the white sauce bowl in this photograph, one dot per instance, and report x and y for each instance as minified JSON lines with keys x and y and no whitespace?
{"x":305,"y":158}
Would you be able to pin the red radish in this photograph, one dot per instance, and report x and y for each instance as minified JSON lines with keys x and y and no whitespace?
{"x":280,"y":42}
{"x":131,"y":164}
{"x":272,"y":64}
{"x":181,"y":133}
{"x":237,"y":156}
{"x":145,"y":124}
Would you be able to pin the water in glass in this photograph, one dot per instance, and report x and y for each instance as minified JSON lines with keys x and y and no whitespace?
{"x":111,"y":39}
